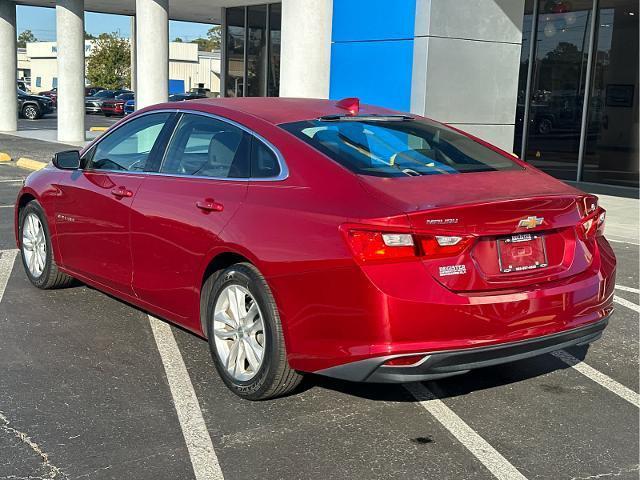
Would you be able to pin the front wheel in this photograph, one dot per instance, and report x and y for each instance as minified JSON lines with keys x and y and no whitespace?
{"x":31,"y":111}
{"x":35,"y":247}
{"x":245,"y":334}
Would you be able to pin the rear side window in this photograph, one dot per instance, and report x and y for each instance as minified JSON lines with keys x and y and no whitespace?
{"x":397,"y":147}
{"x":264,"y":163}
{"x":207,"y":147}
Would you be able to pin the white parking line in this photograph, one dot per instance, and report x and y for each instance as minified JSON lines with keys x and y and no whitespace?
{"x":478,"y":446}
{"x":203,"y":457}
{"x":609,"y":239}
{"x":7,"y":258}
{"x":626,"y":303}
{"x":7,"y":206}
{"x":599,"y":377}
{"x":628,"y":289}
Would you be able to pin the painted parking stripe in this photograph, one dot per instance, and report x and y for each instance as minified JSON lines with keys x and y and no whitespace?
{"x":599,"y":377}
{"x":478,"y":446}
{"x":628,"y":289}
{"x":203,"y":457}
{"x":7,"y":259}
{"x":613,"y":240}
{"x":626,"y":303}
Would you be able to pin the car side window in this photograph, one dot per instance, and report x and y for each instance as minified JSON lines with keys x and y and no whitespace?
{"x":207,"y":147}
{"x":128,"y":148}
{"x":264,"y":163}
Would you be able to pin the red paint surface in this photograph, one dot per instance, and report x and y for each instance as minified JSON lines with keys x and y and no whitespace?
{"x":153,"y":248}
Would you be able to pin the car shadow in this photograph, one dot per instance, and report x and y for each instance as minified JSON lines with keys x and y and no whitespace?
{"x":459,"y":385}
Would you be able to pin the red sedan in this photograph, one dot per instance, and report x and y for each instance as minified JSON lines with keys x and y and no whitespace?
{"x":316,"y":236}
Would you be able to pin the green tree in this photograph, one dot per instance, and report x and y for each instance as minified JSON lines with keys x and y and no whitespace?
{"x":213,"y":40}
{"x":25,"y":37}
{"x":177,"y":39}
{"x":109,"y":64}
{"x":89,"y":36}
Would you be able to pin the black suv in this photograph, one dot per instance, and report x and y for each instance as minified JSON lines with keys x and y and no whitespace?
{"x":33,"y":107}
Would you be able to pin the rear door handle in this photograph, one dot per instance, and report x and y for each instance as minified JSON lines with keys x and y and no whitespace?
{"x":209,"y":205}
{"x":121,"y":192}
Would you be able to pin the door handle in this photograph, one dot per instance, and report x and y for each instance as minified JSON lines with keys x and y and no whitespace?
{"x":121,"y":192}
{"x":209,"y":205}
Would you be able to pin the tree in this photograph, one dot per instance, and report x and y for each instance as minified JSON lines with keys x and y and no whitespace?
{"x":109,"y":64}
{"x":177,"y":40}
{"x":89,"y":36}
{"x":213,"y":40}
{"x":25,"y":37}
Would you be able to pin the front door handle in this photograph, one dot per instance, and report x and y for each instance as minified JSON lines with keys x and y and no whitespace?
{"x":121,"y":192}
{"x":209,"y":205}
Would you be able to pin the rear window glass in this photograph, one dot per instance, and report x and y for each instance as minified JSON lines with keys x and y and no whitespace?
{"x":398,"y":147}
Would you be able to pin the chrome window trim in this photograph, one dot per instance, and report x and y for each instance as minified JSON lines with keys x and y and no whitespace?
{"x":284,"y":170}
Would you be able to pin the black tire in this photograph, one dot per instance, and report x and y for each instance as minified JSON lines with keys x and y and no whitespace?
{"x":50,"y":277}
{"x":274,"y":378}
{"x":107,"y":114}
{"x":31,"y":111}
{"x":545,"y":126}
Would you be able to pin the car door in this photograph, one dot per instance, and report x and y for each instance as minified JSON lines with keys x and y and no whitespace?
{"x":179,"y":213}
{"x":93,"y":204}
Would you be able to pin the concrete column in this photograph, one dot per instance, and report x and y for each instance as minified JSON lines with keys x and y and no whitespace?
{"x":306,"y":48}
{"x":71,"y":69}
{"x":132,"y":40}
{"x":8,"y":67}
{"x":152,"y":58}
{"x":466,"y":61}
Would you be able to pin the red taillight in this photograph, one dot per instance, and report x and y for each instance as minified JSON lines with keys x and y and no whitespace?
{"x":371,"y":246}
{"x":404,"y":361}
{"x":593,"y":225}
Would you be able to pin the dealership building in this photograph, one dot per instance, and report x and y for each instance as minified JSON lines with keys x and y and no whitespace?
{"x":554,"y":81}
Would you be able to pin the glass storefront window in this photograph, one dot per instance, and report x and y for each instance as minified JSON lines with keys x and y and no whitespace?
{"x":611,"y":149}
{"x":235,"y":47}
{"x":252,"y":55}
{"x":561,"y":32}
{"x":273,"y":80}
{"x":257,"y":51}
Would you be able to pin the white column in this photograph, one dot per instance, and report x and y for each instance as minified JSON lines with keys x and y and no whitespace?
{"x":466,"y":60}
{"x":152,"y":59}
{"x":71,"y":67}
{"x":132,"y":40}
{"x":306,"y":48}
{"x":8,"y":67}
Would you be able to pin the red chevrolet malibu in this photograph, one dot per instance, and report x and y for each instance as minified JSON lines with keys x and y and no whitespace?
{"x":317,"y":236}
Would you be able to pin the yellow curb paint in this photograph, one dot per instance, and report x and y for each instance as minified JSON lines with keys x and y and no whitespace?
{"x":30,"y":164}
{"x":98,"y":129}
{"x":5,"y":157}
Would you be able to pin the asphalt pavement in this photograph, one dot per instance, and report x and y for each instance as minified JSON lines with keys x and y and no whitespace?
{"x":91,"y":387}
{"x":50,"y":122}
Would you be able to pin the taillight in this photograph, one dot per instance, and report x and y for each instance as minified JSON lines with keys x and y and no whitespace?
{"x":593,"y":225}
{"x":372,"y":246}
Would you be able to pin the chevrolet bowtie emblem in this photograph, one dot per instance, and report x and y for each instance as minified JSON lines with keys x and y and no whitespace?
{"x":530,"y":222}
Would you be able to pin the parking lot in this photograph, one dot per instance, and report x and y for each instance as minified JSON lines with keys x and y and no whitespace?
{"x":50,"y":122}
{"x":94,"y":388}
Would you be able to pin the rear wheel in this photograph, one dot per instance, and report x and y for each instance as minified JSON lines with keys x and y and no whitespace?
{"x":245,"y":334}
{"x":31,"y":111}
{"x":35,"y":247}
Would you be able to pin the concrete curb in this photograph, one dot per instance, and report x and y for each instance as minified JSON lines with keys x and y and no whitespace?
{"x":30,"y":164}
{"x":5,"y":157}
{"x":98,"y":129}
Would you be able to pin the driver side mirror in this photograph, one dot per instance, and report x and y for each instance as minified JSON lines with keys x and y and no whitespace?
{"x":67,"y":160}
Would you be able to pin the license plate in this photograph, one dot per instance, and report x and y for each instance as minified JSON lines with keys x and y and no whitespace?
{"x":520,"y":253}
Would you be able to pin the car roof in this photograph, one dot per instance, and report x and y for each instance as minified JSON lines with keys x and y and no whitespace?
{"x":275,"y":110}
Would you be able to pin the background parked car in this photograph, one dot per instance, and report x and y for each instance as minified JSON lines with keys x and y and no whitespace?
{"x":116,"y":106}
{"x":33,"y":107}
{"x":22,"y":85}
{"x":90,"y":91}
{"x":93,"y":104}
{"x":52,"y":94}
{"x":181,"y":97}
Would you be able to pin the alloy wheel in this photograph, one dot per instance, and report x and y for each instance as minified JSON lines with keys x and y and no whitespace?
{"x":30,"y":112}
{"x":34,"y":245}
{"x":238,"y":329}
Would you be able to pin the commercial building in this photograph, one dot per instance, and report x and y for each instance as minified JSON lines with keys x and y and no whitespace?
{"x":186,"y":65}
{"x":572,"y":110}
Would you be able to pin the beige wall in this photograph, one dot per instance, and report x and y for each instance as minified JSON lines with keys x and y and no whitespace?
{"x":184,"y":64}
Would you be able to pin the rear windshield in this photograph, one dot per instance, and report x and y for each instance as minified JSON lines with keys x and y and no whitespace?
{"x":398,"y":147}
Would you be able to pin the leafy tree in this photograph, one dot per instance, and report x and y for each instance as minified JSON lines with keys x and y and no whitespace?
{"x":88,"y":36}
{"x":109,"y":64}
{"x":25,"y":37}
{"x":213,"y":40}
{"x":177,"y":39}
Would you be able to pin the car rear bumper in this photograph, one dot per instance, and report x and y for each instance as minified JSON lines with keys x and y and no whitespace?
{"x":442,"y":364}
{"x":93,"y":108}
